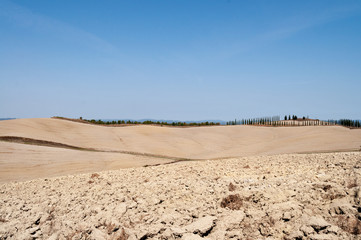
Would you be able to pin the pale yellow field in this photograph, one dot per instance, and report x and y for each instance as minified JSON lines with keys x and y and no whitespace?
{"x":23,"y":161}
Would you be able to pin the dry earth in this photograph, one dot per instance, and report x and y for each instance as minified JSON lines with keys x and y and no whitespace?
{"x":253,"y":194}
{"x":195,"y":142}
{"x":291,"y":196}
{"x":124,"y":147}
{"x":21,"y":162}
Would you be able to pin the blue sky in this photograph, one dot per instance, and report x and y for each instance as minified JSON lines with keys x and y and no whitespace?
{"x":183,"y":60}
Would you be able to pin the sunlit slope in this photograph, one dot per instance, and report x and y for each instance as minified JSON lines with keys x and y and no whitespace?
{"x":21,"y":162}
{"x":194,"y":142}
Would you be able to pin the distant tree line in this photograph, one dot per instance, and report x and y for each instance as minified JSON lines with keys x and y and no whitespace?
{"x":264,"y":121}
{"x":346,"y":123}
{"x":255,"y":121}
{"x":148,"y":122}
{"x":294,"y":121}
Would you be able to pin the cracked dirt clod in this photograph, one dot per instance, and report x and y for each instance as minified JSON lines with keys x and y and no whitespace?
{"x":202,"y":226}
{"x":318,"y":223}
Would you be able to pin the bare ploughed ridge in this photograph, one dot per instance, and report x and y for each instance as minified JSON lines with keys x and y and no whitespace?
{"x":57,"y":147}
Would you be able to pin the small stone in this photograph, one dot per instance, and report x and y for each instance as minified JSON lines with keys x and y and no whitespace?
{"x":120,"y":209}
{"x":202,"y":225}
{"x":191,"y":236}
{"x":54,"y":236}
{"x":167,"y":234}
{"x":156,"y":201}
{"x":132,"y":237}
{"x":341,"y":207}
{"x":33,"y":230}
{"x":152,"y":231}
{"x":321,"y":237}
{"x":177,"y":232}
{"x":264,"y":230}
{"x":333,"y":229}
{"x":318,"y":223}
{"x":97,"y":234}
{"x":306,"y":230}
{"x":286,"y":216}
{"x":287,"y":229}
{"x":232,"y":220}
{"x":295,"y":235}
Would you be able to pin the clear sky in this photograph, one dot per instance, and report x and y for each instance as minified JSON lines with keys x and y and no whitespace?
{"x":181,"y":60}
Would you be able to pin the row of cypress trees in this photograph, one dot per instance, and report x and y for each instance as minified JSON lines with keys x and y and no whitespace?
{"x":294,"y":121}
{"x":255,"y":121}
{"x":148,"y":122}
{"x":346,"y":123}
{"x":294,"y":117}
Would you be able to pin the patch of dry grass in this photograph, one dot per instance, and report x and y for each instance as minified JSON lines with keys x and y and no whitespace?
{"x":233,"y":202}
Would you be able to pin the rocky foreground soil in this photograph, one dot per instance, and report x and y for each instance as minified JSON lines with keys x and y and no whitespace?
{"x":306,"y":196}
